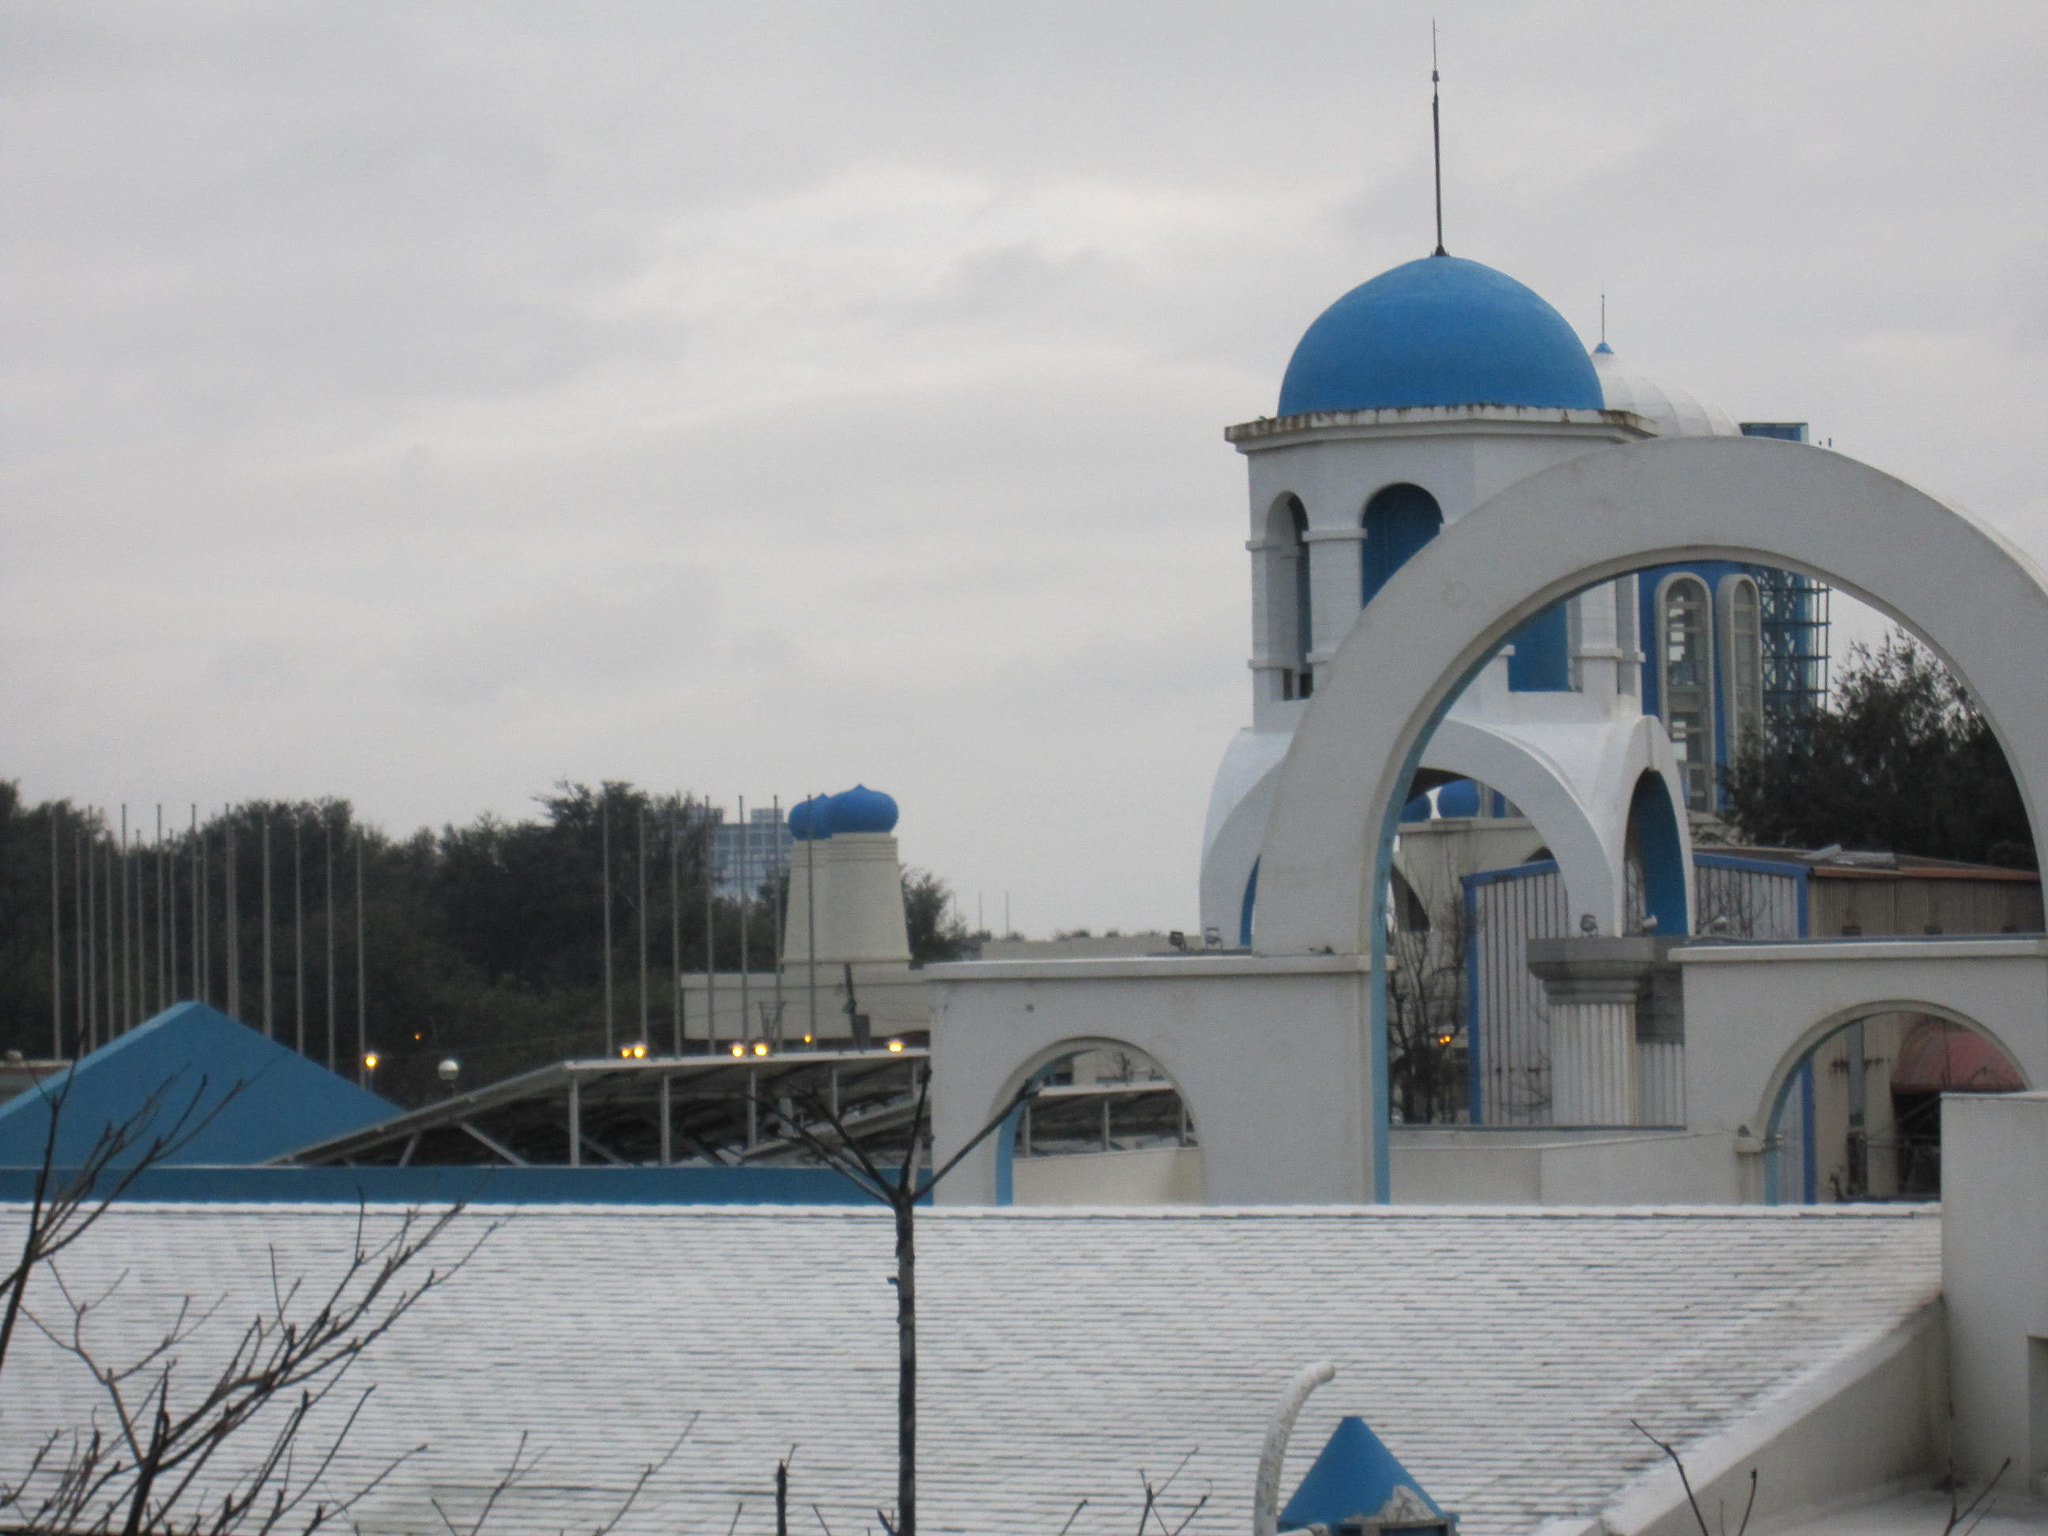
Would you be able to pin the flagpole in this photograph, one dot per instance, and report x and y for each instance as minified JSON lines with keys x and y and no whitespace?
{"x":781,"y":887}
{"x":746,"y":901}
{"x":56,"y":947}
{"x":641,"y":820}
{"x":269,"y":968}
{"x":362,"y":976}
{"x":675,"y":928}
{"x":710,"y":931}
{"x":234,"y":916}
{"x":298,"y":935}
{"x":327,"y":870}
{"x":604,"y":832}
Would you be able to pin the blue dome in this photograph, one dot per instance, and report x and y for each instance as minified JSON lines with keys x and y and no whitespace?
{"x":811,"y":819}
{"x":860,"y":809}
{"x":1439,"y":331}
{"x":1460,"y":797}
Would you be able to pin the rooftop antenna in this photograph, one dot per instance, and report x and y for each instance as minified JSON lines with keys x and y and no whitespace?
{"x":1436,"y":138}
{"x":1603,"y":318}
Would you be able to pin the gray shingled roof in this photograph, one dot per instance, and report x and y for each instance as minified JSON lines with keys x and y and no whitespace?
{"x":1499,"y":1354}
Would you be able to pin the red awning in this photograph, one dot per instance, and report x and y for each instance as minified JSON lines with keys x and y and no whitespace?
{"x":1940,"y":1057}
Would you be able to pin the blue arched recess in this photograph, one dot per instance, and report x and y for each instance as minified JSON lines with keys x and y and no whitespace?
{"x":1251,"y":901}
{"x":1398,"y":521}
{"x":1655,"y":829}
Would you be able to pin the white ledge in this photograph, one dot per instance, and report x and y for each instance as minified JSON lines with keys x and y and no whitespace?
{"x":1271,"y":431}
{"x":1189,"y":967}
{"x":1934,"y":947}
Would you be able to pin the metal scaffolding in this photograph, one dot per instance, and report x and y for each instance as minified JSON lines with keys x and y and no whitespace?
{"x":1794,"y":613}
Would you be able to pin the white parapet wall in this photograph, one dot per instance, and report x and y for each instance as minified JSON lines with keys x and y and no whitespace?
{"x":1268,"y":1053}
{"x":1144,"y":1176}
{"x":1466,"y":1165}
{"x":1752,"y":1012}
{"x":1994,"y":1267}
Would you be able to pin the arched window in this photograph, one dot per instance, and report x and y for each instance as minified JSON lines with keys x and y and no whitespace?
{"x":1398,"y":521}
{"x":1290,"y":609}
{"x":1685,"y":676}
{"x":1742,"y":664}
{"x":1304,"y":601}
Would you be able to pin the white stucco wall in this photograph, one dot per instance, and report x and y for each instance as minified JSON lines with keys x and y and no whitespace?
{"x":1994,"y":1261}
{"x":1270,"y":1057}
{"x":1752,"y":1011}
{"x":1144,"y":1176}
{"x":1446,"y":1165}
{"x":1869,"y":1422}
{"x":858,"y":910}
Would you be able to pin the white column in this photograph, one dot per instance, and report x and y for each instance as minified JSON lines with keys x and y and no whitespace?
{"x":1594,"y":987}
{"x":1598,"y":656}
{"x":1593,"y":1060}
{"x":1333,"y":555}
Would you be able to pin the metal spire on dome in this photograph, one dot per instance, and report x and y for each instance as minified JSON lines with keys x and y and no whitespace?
{"x":1436,"y":140}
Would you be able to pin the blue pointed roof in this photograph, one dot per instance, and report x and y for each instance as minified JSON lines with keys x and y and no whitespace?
{"x":1354,"y":1480}
{"x":168,"y":1076}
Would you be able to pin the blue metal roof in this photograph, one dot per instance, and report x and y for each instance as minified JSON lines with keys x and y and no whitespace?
{"x":1356,"y":1481}
{"x":1439,"y":331}
{"x":224,"y":1092}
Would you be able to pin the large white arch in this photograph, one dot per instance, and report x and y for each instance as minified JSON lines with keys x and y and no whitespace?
{"x":1979,"y":602}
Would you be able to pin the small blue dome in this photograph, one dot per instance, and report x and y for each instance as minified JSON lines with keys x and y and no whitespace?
{"x":861,"y":809}
{"x":1416,"y":809}
{"x":811,"y":819}
{"x":1460,"y":797}
{"x":1439,"y":331}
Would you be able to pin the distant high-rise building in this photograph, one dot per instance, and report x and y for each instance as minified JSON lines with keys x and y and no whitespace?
{"x":743,"y":871}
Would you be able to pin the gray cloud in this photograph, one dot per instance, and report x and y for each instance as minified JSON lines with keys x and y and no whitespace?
{"x":428,"y":403}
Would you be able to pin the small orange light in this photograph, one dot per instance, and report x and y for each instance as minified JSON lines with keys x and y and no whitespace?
{"x":760,"y":1047}
{"x":895,"y":1045}
{"x":807,"y":1039}
{"x":738,"y":1049}
{"x":639,"y":1052}
{"x":370,"y":1061}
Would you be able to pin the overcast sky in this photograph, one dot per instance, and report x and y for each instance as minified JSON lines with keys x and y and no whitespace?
{"x":423,"y":403}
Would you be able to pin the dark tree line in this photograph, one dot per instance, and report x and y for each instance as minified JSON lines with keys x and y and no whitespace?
{"x":485,"y":942}
{"x":1900,"y":760}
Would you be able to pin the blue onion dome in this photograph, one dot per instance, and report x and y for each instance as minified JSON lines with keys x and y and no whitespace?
{"x":811,"y":819}
{"x":1439,"y":331}
{"x":861,"y":809}
{"x":1417,"y":809}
